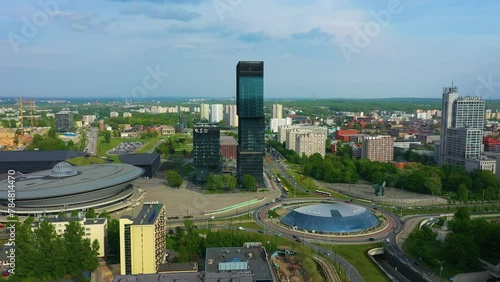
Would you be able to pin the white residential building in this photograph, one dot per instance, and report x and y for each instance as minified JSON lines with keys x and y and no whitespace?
{"x":274,"y":123}
{"x":216,"y":113}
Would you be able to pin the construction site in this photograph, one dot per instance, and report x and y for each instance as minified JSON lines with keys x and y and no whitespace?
{"x":26,"y":127}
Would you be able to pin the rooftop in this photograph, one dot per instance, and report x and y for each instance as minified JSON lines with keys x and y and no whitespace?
{"x":236,"y":258}
{"x":148,"y":214}
{"x":239,"y":276}
{"x":325,"y":210}
{"x":43,"y":184}
{"x":228,"y":140}
{"x":139,"y":159}
{"x":37,"y":156}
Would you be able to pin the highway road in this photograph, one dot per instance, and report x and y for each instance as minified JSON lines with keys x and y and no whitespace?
{"x":92,"y":135}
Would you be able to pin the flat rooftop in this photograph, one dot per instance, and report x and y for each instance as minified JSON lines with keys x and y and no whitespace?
{"x":148,"y":214}
{"x":139,"y":159}
{"x":228,"y":140}
{"x":38,"y":156}
{"x":227,"y":259}
{"x":240,"y":276}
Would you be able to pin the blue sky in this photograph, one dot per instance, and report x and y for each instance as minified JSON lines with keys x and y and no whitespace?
{"x":97,"y":48}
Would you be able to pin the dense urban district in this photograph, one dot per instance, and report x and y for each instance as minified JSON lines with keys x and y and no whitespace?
{"x":250,"y":189}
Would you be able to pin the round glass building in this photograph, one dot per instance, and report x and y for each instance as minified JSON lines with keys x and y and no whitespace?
{"x":331,"y":218}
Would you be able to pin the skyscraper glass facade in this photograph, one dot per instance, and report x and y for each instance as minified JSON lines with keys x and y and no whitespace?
{"x":251,"y":125}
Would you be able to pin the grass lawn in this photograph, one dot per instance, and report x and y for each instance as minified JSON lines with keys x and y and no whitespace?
{"x":150,"y":143}
{"x":86,"y":161}
{"x":355,"y":254}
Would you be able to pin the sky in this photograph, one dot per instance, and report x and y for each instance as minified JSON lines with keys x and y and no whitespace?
{"x":189,"y":48}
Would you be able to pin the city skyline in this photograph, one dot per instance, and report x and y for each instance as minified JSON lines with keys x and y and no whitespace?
{"x":142,"y":49}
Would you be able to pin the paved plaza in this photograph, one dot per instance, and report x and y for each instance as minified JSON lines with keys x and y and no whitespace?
{"x":193,"y":202}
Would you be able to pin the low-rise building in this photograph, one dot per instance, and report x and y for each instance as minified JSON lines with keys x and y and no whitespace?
{"x":228,"y":147}
{"x":94,"y":229}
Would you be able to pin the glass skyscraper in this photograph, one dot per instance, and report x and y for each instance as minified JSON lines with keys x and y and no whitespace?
{"x":251,"y":125}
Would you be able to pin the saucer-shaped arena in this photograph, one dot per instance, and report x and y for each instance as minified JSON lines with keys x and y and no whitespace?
{"x":66,"y":185}
{"x":331,"y":218}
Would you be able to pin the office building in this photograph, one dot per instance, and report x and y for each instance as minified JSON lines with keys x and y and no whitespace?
{"x":94,"y":229}
{"x":216,"y":113}
{"x":277,"y":111}
{"x":275,"y":123}
{"x":205,"y":112}
{"x":251,"y":124}
{"x":142,"y":240}
{"x":310,"y":143}
{"x":206,"y":150}
{"x":461,"y":128}
{"x":230,"y":116}
{"x":64,"y":121}
{"x":378,"y":148}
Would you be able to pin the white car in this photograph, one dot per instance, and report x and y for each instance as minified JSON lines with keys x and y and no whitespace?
{"x":241,"y":228}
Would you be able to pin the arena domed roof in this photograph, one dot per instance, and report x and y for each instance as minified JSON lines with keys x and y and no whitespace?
{"x":62,"y":169}
{"x":331,"y":218}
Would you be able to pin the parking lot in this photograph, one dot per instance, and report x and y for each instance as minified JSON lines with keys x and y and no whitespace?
{"x":126,"y":148}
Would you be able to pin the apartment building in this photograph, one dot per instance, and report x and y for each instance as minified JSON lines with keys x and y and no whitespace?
{"x":310,"y":143}
{"x":378,"y":148}
{"x":143,"y":240}
{"x":94,"y":229}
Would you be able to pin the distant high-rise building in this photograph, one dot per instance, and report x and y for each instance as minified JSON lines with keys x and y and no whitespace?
{"x":64,"y":121}
{"x":230,"y":116}
{"x":275,"y":123}
{"x":251,"y":124}
{"x":216,"y":113}
{"x":205,"y":112}
{"x":206,"y":150}
{"x":127,"y":114}
{"x":277,"y":111}
{"x":142,"y":240}
{"x":378,"y":148}
{"x":461,"y":128}
{"x":113,"y":114}
{"x":101,"y":125}
{"x":310,"y":143}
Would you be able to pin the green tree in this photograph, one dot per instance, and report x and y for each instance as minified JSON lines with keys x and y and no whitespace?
{"x":91,"y":213}
{"x":462,"y":192}
{"x":80,"y":256}
{"x":52,"y":133}
{"x":433,"y":185}
{"x":107,"y":136}
{"x":215,"y":182}
{"x":174,"y":178}
{"x":70,"y":144}
{"x":230,"y":181}
{"x":249,"y":182}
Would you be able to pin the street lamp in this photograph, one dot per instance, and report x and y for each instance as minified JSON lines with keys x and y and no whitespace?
{"x":441,"y":268}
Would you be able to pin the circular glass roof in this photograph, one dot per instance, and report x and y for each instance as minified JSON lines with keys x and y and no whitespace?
{"x":331,"y":218}
{"x":62,"y":169}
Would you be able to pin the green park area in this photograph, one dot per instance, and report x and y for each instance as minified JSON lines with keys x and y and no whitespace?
{"x":357,"y":256}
